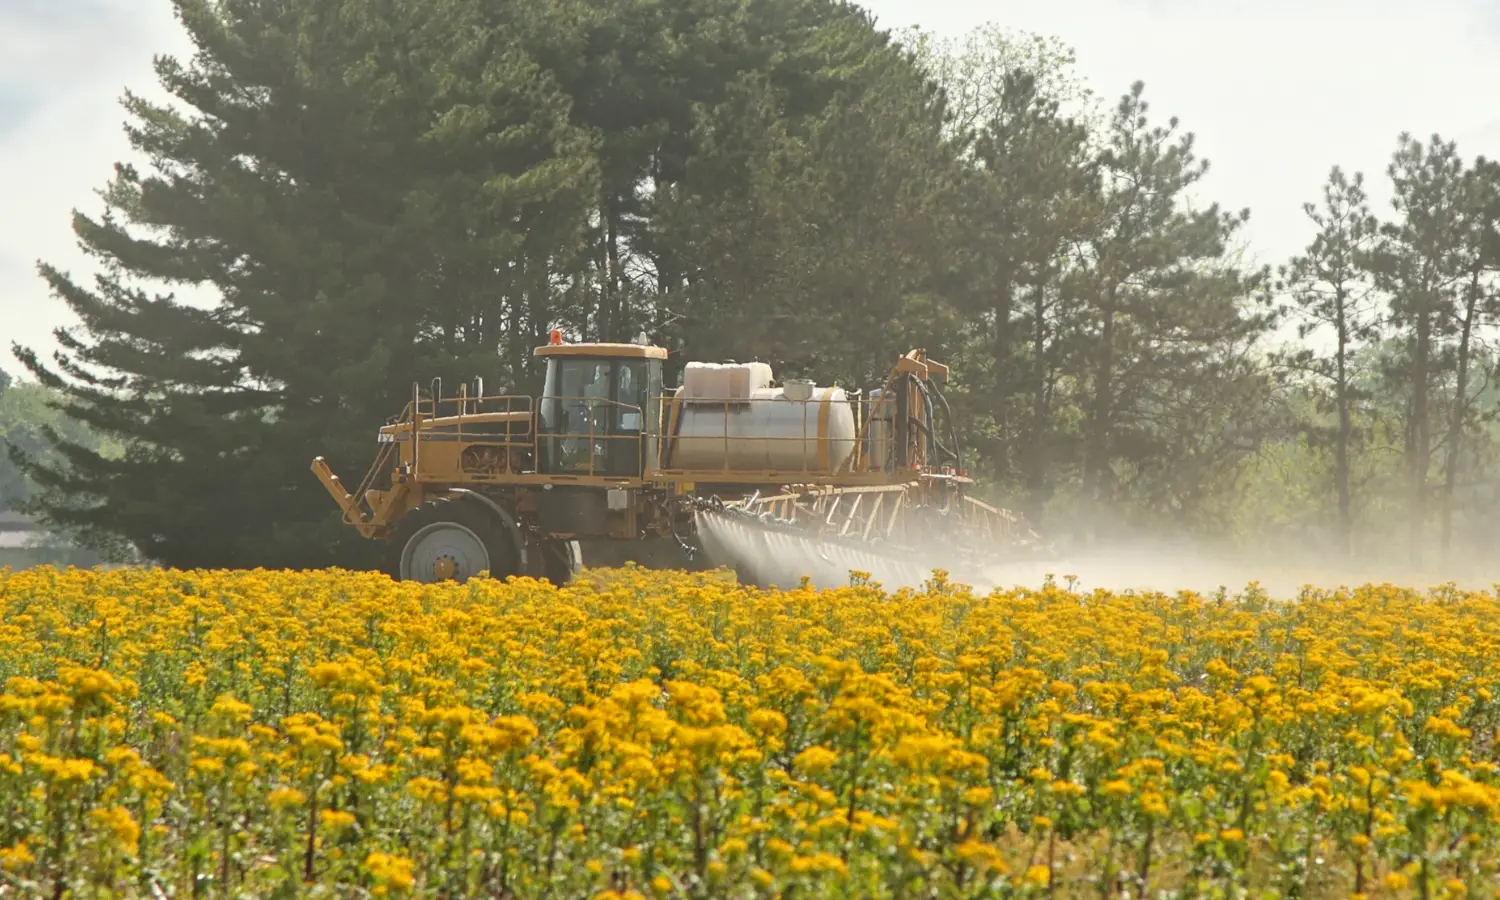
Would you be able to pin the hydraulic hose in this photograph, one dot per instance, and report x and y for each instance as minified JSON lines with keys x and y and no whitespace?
{"x":930,"y":427}
{"x":958,"y":456}
{"x":921,"y":426}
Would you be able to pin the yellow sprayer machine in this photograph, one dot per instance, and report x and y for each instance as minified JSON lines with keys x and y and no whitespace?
{"x":778,"y":482}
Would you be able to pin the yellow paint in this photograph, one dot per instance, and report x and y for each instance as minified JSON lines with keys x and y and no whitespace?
{"x":669,"y":438}
{"x":490,"y":418}
{"x":336,"y":489}
{"x":633,"y":351}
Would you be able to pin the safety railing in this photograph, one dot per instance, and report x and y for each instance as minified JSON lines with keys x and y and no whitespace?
{"x":470,"y":411}
{"x":816,"y":436}
{"x":502,"y":422}
{"x":606,"y":439}
{"x":608,"y":443}
{"x":502,"y":419}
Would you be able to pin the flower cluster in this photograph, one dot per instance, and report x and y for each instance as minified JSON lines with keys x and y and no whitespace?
{"x":649,"y":735}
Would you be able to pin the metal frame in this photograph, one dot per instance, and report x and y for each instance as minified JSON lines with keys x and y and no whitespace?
{"x":424,"y":451}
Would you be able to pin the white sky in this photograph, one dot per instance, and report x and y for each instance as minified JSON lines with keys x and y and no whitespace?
{"x":1276,"y":93}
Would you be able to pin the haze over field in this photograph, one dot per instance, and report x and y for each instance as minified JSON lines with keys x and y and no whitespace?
{"x":1142,"y":564}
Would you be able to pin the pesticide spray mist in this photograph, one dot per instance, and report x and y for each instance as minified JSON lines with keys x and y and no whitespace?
{"x":782,"y":559}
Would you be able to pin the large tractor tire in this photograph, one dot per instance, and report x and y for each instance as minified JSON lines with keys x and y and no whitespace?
{"x":451,"y":539}
{"x":561,"y":560}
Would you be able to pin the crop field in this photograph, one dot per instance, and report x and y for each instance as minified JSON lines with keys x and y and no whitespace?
{"x":644,"y":734}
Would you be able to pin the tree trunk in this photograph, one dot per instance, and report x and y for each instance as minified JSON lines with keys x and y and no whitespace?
{"x":1341,"y":450}
{"x":1422,"y":433}
{"x":528,"y":379}
{"x":1456,"y":421}
{"x":1036,"y":457}
{"x":1096,"y":454}
{"x":1004,"y":300}
{"x":515,"y":356}
{"x":610,"y":323}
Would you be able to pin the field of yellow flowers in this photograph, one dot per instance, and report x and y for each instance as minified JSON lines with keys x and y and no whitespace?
{"x":261,"y":734}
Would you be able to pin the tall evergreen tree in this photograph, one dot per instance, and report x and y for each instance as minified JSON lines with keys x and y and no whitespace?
{"x":1330,"y":291}
{"x":355,"y":184}
{"x":814,"y":236}
{"x":1163,"y":293}
{"x":1476,"y":307}
{"x":1416,"y":267}
{"x":1034,"y":198}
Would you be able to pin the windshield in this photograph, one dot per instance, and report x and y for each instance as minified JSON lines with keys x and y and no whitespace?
{"x":592,"y":414}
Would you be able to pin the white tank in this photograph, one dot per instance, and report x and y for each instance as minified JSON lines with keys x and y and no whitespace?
{"x":724,"y":381}
{"x":765,"y":431}
{"x":880,"y":431}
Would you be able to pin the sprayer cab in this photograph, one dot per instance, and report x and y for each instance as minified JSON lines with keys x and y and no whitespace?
{"x":597,"y":413}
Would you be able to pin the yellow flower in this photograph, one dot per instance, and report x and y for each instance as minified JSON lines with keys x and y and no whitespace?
{"x":815,"y":760}
{"x":767,"y":722}
{"x":335,"y":819}
{"x":391,"y":873}
{"x":509,"y":725}
{"x":1153,"y":804}
{"x":1117,"y":788}
{"x":121,"y":825}
{"x":286,"y":798}
{"x":984,"y":857}
{"x":818,"y":863}
{"x":16,"y":857}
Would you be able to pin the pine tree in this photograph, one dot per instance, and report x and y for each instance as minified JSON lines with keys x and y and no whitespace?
{"x":815,"y":216}
{"x":1165,"y":313}
{"x":1416,"y":267}
{"x":1034,"y":197}
{"x":357,"y":186}
{"x":1478,"y":303}
{"x":1330,"y":290}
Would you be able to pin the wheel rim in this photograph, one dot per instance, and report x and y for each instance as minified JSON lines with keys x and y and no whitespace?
{"x":443,"y":551}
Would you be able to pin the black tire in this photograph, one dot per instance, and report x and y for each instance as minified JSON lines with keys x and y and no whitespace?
{"x":561,"y":560}
{"x":466,"y":512}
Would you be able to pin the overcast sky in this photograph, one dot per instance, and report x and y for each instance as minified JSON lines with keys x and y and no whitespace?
{"x":1275,"y":93}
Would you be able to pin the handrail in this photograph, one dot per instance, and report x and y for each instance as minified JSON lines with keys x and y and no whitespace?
{"x":594,"y":404}
{"x":465,"y":417}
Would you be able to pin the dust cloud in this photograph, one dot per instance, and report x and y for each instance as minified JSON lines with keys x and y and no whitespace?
{"x":1170,"y":566}
{"x":773,"y":558}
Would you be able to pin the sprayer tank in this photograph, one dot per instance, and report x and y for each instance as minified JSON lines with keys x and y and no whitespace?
{"x":751,"y":427}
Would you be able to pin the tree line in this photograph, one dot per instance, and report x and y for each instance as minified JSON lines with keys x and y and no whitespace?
{"x":28,"y":414}
{"x":379,"y":192}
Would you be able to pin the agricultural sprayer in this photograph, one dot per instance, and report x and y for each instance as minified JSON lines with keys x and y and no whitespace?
{"x":778,"y":481}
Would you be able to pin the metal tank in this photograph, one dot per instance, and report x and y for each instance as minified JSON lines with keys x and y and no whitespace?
{"x":799,"y":427}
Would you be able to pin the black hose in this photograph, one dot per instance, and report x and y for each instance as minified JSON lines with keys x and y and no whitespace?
{"x":931,"y":426}
{"x":931,"y":439}
{"x":958,"y":456}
